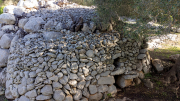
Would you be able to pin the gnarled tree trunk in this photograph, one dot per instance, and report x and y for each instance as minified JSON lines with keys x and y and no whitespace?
{"x":174,"y":73}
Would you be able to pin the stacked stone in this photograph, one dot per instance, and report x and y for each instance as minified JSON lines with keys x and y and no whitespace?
{"x":78,"y":66}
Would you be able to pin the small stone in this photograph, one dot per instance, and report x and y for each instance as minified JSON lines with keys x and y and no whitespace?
{"x":90,"y":53}
{"x":158,"y":65}
{"x":23,"y":98}
{"x":43,"y":97}
{"x":92,"y":89}
{"x":95,"y":97}
{"x":47,"y":90}
{"x":73,"y":83}
{"x":148,"y":83}
{"x":31,"y":94}
{"x":81,"y":84}
{"x":57,"y":85}
{"x":69,"y":98}
{"x":59,"y":95}
{"x":73,"y":76}
{"x":106,"y":80}
{"x":105,"y":73}
{"x":78,"y":95}
{"x":141,"y":56}
{"x":102,"y":88}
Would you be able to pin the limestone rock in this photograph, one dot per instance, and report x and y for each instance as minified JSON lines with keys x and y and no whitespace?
{"x":95,"y":97}
{"x":106,"y":80}
{"x":158,"y":65}
{"x":4,"y":53}
{"x":59,"y":95}
{"x":141,"y":56}
{"x":122,"y":82}
{"x":22,"y":23}
{"x":43,"y":97}
{"x":5,"y":41}
{"x":8,"y":94}
{"x":9,"y":9}
{"x":92,"y":89}
{"x":7,"y":18}
{"x":19,"y":11}
{"x":31,"y":94}
{"x":23,"y":98}
{"x":33,"y":24}
{"x":47,"y":90}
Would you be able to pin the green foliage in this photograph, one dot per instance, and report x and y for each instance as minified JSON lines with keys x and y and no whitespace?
{"x":165,"y":12}
{"x":1,"y":9}
{"x":109,"y":95}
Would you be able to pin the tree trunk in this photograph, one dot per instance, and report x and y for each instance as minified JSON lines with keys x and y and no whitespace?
{"x":174,"y":73}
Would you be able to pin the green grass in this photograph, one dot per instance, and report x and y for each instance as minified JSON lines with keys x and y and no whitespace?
{"x":148,"y":75}
{"x":167,"y":52}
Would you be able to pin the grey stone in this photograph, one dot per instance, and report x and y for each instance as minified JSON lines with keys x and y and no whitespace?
{"x":118,"y":71}
{"x":47,"y":90}
{"x":59,"y":26}
{"x":5,"y":41}
{"x":158,"y":65}
{"x":31,"y":94}
{"x":7,"y":18}
{"x":8,"y":94}
{"x":86,"y":92}
{"x":106,"y":80}
{"x":9,"y":27}
{"x":105,"y":73}
{"x":148,"y":83}
{"x":3,"y":72}
{"x":33,"y":24}
{"x":22,"y":89}
{"x":23,"y":98}
{"x":43,"y":97}
{"x":73,"y":83}
{"x":78,"y":95}
{"x":32,"y":74}
{"x":92,"y":89}
{"x":81,"y":84}
{"x":95,"y":97}
{"x":19,"y":11}
{"x":73,"y":76}
{"x":112,"y":90}
{"x":30,"y":87}
{"x":103,"y":88}
{"x":141,"y":56}
{"x":122,"y":82}
{"x":90,"y":53}
{"x":69,"y":98}
{"x":143,"y":51}
{"x":59,"y":95}
{"x":4,"y":53}
{"x":57,"y":85}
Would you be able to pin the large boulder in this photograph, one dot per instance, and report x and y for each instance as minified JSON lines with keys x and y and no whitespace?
{"x":30,"y":4}
{"x":19,"y":11}
{"x":4,"y":53}
{"x":7,"y":18}
{"x":34,"y":24}
{"x":22,"y":22}
{"x":5,"y":41}
{"x":9,"y":9}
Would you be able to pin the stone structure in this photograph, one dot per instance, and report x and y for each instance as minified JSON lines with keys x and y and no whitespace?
{"x":56,"y":53}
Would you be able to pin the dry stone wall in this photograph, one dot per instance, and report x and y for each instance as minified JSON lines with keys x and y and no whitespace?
{"x":53,"y":51}
{"x":77,"y":66}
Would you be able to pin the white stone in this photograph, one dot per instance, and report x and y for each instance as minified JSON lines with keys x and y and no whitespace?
{"x":9,"y":9}
{"x":7,"y":18}
{"x":9,"y":27}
